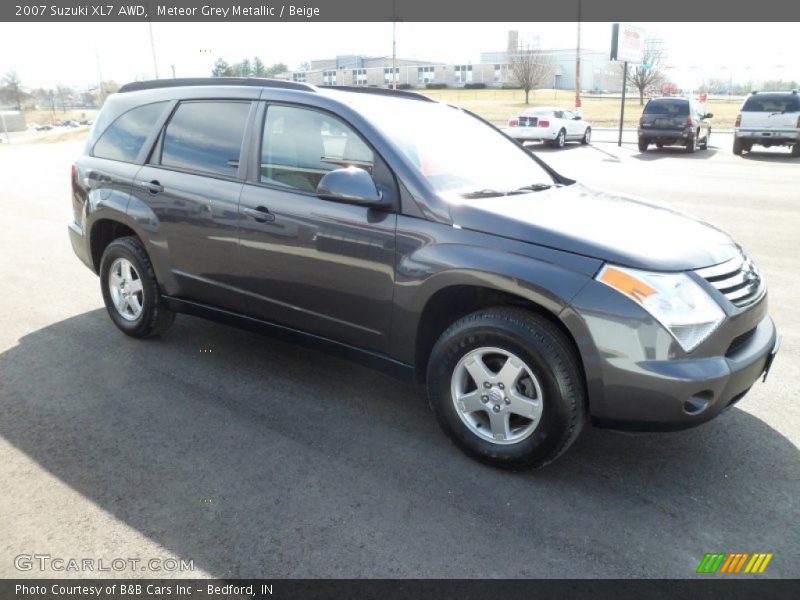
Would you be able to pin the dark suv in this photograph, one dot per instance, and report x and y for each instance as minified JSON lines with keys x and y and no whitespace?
{"x":674,"y":122}
{"x":413,"y":236}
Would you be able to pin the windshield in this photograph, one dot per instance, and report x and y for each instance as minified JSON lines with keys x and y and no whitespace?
{"x":458,"y":154}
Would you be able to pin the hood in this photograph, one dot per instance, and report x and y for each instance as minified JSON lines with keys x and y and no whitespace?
{"x":611,"y":228}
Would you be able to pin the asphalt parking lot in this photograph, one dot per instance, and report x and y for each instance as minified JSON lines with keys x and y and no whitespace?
{"x":258,"y":458}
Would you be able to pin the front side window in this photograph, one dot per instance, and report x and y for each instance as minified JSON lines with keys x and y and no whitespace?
{"x":300,"y":146}
{"x":206,"y":136}
{"x":124,"y":138}
{"x":458,"y":154}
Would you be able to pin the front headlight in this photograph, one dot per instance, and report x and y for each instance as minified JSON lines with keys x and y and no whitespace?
{"x":674,"y":299}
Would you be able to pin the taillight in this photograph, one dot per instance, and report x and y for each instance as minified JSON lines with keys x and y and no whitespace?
{"x":738,"y":122}
{"x":641,"y":120}
{"x":513,"y":122}
{"x":544,"y":123}
{"x":74,"y":178}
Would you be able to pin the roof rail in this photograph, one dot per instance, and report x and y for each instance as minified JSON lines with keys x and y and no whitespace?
{"x":153,"y":84}
{"x":378,"y":91}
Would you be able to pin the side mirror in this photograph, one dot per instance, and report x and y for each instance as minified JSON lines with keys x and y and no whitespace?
{"x":708,"y":116}
{"x":351,"y":185}
{"x":576,"y":118}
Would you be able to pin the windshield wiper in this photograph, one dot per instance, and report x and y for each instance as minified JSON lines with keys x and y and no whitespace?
{"x":535,"y":187}
{"x":490,"y":193}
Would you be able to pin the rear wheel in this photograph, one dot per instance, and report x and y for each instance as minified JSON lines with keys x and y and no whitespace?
{"x":130,"y":290}
{"x":560,"y":140}
{"x":691,"y":145}
{"x":738,"y":146}
{"x":506,"y":387}
{"x":643,"y":144}
{"x":796,"y":149}
{"x":587,"y":136}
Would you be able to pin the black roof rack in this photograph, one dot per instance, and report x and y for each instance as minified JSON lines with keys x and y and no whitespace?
{"x":378,"y":91}
{"x":153,"y":84}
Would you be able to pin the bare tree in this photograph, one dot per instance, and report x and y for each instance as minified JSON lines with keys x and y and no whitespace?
{"x":650,"y":73}
{"x":530,"y":68}
{"x":13,"y":84}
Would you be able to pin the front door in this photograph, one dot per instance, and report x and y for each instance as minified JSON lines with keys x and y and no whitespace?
{"x":319,"y":266}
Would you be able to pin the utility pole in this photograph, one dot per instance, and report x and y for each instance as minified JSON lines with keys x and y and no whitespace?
{"x":622,"y":107}
{"x":102,"y":91}
{"x":394,"y":47}
{"x":153,"y":48}
{"x":578,"y":62}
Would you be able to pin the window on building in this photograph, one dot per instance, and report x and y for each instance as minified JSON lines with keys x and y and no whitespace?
{"x":299,"y":77}
{"x":206,"y":136}
{"x":387,"y":75}
{"x":300,"y":146}
{"x":359,"y":77}
{"x":124,"y":138}
{"x":425,"y":74}
{"x":463,"y":73}
{"x":329,"y":78}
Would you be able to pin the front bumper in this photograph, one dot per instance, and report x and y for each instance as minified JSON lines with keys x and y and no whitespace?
{"x":637,"y":377}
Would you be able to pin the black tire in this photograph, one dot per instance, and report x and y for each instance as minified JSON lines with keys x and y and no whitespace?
{"x":560,"y":140}
{"x":548,"y":354}
{"x":704,"y":143}
{"x":587,"y":136}
{"x":738,"y":146}
{"x":796,"y":149}
{"x":643,"y":144}
{"x":747,"y":146}
{"x":691,"y":145}
{"x":155,"y":318}
{"x":659,"y":145}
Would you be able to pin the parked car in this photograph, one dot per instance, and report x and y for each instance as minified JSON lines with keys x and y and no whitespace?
{"x":43,"y":127}
{"x":415,"y":237}
{"x":673,"y":121}
{"x":554,"y":125}
{"x":768,"y":119}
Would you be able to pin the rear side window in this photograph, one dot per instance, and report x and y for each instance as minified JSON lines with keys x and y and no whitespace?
{"x":667,"y":107}
{"x":772,"y":103}
{"x":124,"y":138}
{"x":206,"y":136}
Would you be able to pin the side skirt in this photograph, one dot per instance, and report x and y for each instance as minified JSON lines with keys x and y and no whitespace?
{"x":373,"y":360}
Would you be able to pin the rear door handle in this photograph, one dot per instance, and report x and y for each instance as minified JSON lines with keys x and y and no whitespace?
{"x":260,"y":214}
{"x":154,"y":187}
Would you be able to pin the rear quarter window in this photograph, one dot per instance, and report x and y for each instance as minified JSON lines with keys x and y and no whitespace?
{"x":124,"y":138}
{"x":772,"y":103}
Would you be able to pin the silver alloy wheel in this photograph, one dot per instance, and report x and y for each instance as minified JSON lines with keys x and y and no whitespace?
{"x":587,"y":136}
{"x":496,"y":395}
{"x":561,"y":139}
{"x":125,"y":287}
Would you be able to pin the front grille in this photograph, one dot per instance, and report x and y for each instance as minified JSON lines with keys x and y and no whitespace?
{"x":737,"y":279}
{"x":739,"y":341}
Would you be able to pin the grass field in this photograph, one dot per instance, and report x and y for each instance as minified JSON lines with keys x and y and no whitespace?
{"x":498,"y":105}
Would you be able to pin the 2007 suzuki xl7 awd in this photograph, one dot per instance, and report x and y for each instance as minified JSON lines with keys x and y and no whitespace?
{"x":416,"y":237}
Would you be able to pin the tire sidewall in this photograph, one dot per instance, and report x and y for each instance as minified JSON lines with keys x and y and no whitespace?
{"x":548,"y":436}
{"x":122,"y":249}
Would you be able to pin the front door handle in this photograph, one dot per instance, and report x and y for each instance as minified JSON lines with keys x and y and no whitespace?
{"x":260,"y":214}
{"x":154,"y":187}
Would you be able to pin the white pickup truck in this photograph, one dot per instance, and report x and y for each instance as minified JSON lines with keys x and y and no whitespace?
{"x":768,"y":119}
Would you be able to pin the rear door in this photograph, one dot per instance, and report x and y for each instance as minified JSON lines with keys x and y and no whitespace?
{"x":192,"y":183}
{"x":319,"y":266}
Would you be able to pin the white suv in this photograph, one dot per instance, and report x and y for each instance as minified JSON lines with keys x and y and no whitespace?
{"x":769,"y":119}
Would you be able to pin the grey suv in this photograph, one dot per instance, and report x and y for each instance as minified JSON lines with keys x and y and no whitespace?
{"x":415,"y":237}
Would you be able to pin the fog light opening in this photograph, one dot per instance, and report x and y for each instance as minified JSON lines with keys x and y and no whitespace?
{"x":698,"y":403}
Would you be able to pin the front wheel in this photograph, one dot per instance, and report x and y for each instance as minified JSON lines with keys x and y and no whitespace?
{"x":506,"y":387}
{"x":704,"y":145}
{"x":587,"y":136}
{"x":130,"y":290}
